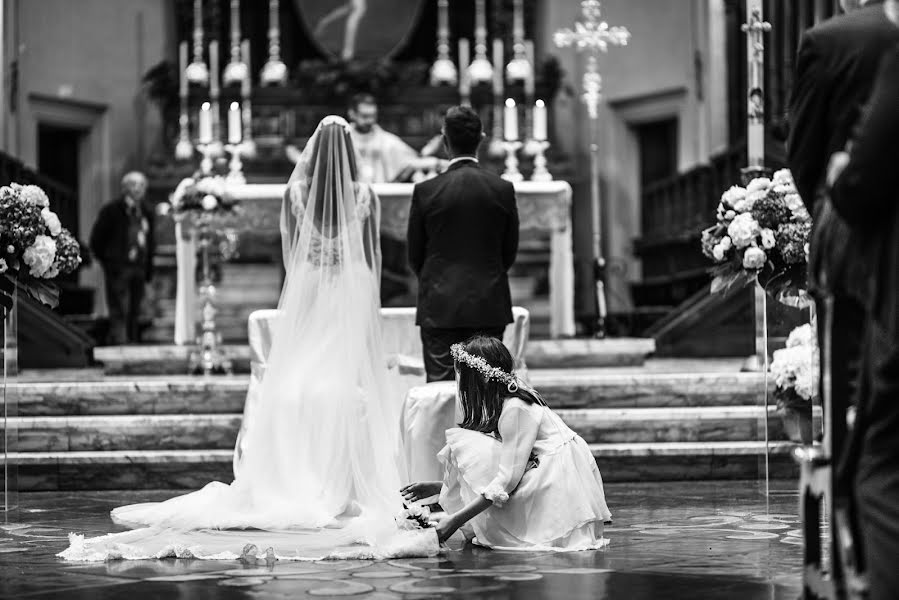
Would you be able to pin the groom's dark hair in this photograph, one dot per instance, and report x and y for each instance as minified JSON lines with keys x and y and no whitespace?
{"x":462,"y":129}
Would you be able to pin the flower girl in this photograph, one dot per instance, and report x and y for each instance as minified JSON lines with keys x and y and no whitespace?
{"x":516,"y":477}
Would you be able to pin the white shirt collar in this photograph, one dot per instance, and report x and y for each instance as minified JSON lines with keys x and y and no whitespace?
{"x":459,"y":159}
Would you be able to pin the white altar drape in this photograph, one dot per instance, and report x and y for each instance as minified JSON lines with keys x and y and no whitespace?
{"x":542,"y":206}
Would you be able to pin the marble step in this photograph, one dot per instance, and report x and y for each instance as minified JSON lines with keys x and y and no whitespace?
{"x":148,"y":395}
{"x":192,"y":469}
{"x":219,"y":431}
{"x":564,"y":355}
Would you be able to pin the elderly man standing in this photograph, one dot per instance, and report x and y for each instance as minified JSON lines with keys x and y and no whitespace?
{"x":122,"y":241}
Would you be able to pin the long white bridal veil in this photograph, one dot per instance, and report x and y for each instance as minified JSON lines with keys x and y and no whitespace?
{"x":321,"y":459}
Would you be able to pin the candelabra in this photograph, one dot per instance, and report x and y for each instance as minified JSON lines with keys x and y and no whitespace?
{"x":512,"y":173}
{"x":594,"y":35}
{"x":209,"y":358}
{"x":209,"y":151}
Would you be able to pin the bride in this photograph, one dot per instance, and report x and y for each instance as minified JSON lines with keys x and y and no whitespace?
{"x":321,"y":466}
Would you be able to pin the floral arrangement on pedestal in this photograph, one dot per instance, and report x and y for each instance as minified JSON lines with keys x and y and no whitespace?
{"x":202,"y":195}
{"x":761,"y":233}
{"x":795,"y":371}
{"x":34,"y":246}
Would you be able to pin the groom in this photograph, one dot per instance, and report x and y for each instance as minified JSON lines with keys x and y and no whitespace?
{"x":463,"y":237}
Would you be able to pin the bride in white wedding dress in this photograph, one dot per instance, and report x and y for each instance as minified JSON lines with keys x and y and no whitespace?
{"x":321,"y":470}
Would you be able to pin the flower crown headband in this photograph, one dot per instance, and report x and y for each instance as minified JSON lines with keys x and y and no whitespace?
{"x":480,"y":365}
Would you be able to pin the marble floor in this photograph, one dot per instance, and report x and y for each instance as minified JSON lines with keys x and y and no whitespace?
{"x":697,"y":540}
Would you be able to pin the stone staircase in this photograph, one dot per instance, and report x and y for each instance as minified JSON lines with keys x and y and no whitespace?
{"x":178,"y":432}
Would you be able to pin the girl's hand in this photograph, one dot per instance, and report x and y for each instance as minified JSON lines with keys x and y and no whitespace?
{"x":421,"y":490}
{"x":446,"y":528}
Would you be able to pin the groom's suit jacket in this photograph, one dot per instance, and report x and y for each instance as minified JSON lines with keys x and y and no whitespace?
{"x":835,"y":70}
{"x":463,"y":238}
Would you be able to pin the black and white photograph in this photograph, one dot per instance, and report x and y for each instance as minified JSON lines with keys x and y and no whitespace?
{"x":473,"y":299}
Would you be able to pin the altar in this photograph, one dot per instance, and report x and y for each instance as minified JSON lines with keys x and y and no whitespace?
{"x":542,"y":206}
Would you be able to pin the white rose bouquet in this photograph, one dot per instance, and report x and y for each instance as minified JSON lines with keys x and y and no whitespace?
{"x":34,"y":246}
{"x":201,"y":195}
{"x":761,"y":233}
{"x":795,"y":369}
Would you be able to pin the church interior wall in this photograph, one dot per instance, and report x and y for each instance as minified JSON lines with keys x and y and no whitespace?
{"x":87,"y":55}
{"x":671,"y":67}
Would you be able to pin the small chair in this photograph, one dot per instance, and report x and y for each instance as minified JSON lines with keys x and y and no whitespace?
{"x":402,"y":345}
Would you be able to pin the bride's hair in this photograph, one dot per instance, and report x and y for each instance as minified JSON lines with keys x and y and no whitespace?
{"x":331,"y":133}
{"x":482,"y":397}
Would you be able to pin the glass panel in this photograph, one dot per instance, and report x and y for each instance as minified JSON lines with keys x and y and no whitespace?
{"x":9,"y":493}
{"x":789,"y":407}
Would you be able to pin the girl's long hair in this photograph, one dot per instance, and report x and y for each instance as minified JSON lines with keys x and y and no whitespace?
{"x":481,"y":398}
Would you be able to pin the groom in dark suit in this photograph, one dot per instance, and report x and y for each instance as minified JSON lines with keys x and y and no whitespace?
{"x":463,"y":238}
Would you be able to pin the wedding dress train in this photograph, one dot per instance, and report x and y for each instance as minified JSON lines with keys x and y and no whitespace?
{"x":321,"y":472}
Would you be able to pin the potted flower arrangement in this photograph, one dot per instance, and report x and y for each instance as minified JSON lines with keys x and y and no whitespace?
{"x":761,"y":234}
{"x":795,"y":369}
{"x":34,"y":246}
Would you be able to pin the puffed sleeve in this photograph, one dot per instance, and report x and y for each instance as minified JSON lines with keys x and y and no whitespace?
{"x":518,"y":427}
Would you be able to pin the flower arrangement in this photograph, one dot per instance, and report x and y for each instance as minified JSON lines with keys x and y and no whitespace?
{"x":34,"y":246}
{"x":201,"y":195}
{"x":413,"y":517}
{"x":761,"y":234}
{"x":795,"y":369}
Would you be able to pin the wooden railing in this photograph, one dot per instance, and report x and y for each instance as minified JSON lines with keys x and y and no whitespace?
{"x":63,"y":201}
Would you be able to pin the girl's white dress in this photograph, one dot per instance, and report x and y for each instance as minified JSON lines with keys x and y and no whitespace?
{"x":546,"y":489}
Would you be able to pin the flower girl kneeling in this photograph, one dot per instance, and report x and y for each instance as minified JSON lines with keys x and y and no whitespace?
{"x":515,"y":476}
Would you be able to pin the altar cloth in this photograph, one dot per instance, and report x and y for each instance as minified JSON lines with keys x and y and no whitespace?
{"x":542,"y":206}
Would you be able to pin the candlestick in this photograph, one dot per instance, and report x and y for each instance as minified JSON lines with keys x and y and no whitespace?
{"x":541,"y":173}
{"x":197,"y":71}
{"x":512,"y":173}
{"x":205,"y":126}
{"x":540,"y":121}
{"x":274,"y":72}
{"x":497,"y":73}
{"x":443,"y":70}
{"x":480,"y":70}
{"x":510,"y":121}
{"x":236,"y":70}
{"x":464,"y":76}
{"x":518,"y":69}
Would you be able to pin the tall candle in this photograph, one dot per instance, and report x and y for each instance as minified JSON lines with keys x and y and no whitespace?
{"x":182,"y":69}
{"x":510,"y":121}
{"x":497,"y":68}
{"x":235,"y":128}
{"x":540,"y":121}
{"x":464,"y":79}
{"x":206,"y":123}
{"x":529,"y":80}
{"x":214,"y":68}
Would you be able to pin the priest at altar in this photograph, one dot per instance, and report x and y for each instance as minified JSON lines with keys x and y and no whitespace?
{"x":382,"y":156}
